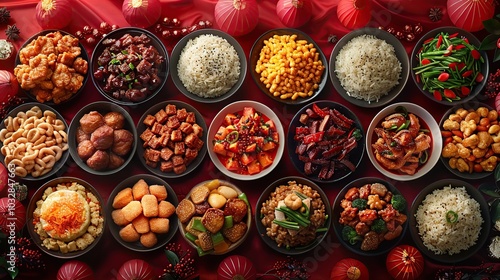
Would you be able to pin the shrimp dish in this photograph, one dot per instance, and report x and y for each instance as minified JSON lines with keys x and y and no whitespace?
{"x":403,"y":142}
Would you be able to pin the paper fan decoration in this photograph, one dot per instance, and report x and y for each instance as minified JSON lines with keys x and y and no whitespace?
{"x":470,"y":14}
{"x":354,"y":13}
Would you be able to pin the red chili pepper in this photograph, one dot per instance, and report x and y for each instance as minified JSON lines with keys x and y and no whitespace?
{"x":498,"y":43}
{"x":443,"y":77}
{"x":318,"y":110}
{"x":447,"y":140}
{"x":446,"y":133}
{"x":453,"y":35}
{"x":428,"y":40}
{"x":461,"y":65}
{"x":458,"y":133}
{"x":449,"y":93}
{"x":313,"y":138}
{"x":467,"y":73}
{"x":466,"y":40}
{"x":475,"y":54}
{"x":425,"y":61}
{"x":459,"y":47}
{"x":453,"y":66}
{"x":479,"y":77}
{"x":301,"y":130}
{"x":437,"y":95}
{"x":417,"y":77}
{"x":465,"y":90}
{"x":449,"y":50}
{"x":439,"y":41}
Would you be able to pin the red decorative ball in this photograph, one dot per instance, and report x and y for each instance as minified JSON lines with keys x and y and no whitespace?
{"x":135,"y":269}
{"x":11,"y":220}
{"x":236,"y":267}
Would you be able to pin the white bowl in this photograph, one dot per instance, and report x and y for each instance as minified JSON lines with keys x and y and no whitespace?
{"x":237,"y":107}
{"x":430,"y":123}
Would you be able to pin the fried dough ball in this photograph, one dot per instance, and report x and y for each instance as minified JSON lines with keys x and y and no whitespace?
{"x":102,"y":138}
{"x":99,"y":160}
{"x":91,"y":121}
{"x":122,"y":142}
{"x":85,"y":149}
{"x":114,"y":119}
{"x":81,"y":135}
{"x":115,"y":161}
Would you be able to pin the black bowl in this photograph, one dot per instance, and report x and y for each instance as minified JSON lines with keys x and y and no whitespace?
{"x":485,"y":230}
{"x":355,"y":156}
{"x":141,"y":127}
{"x":117,"y":34}
{"x":83,"y":55}
{"x":400,"y":54}
{"x":386,"y":245}
{"x":33,"y":205}
{"x":262,"y":229}
{"x":102,"y":107}
{"x":23,"y":108}
{"x":177,"y":50}
{"x":163,"y":239}
{"x":255,"y":54}
{"x":476,"y":89}
{"x":464,"y":175}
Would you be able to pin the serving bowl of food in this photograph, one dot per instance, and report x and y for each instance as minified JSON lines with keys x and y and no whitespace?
{"x":449,"y":221}
{"x":141,"y":213}
{"x":34,"y":153}
{"x":448,"y":67}
{"x":215,"y":217}
{"x":369,"y":67}
{"x":295,"y":53}
{"x":129,"y":66}
{"x":325,"y":141}
{"x":52,"y":84}
{"x":246,"y":140}
{"x":208,"y":65}
{"x":403,"y":141}
{"x":173,"y":137}
{"x":65,"y":217}
{"x":102,"y":138}
{"x":370,"y":216}
{"x":470,"y":140}
{"x":293,"y":215}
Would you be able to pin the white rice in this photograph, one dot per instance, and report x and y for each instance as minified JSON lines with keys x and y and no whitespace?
{"x":208,"y":66}
{"x":367,"y":68}
{"x":443,"y":237}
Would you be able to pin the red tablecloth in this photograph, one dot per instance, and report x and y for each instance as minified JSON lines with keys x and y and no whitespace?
{"x":109,"y":255}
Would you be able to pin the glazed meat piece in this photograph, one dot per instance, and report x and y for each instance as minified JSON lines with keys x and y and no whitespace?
{"x":114,"y":120}
{"x":85,"y":149}
{"x":102,"y":137}
{"x":81,"y":135}
{"x":91,"y":121}
{"x":122,"y":142}
{"x":115,"y":161}
{"x":237,"y":208}
{"x":99,"y":160}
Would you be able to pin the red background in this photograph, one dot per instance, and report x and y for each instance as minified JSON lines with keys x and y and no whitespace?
{"x":106,"y":258}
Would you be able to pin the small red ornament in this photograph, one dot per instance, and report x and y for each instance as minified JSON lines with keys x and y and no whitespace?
{"x":354,"y":13}
{"x":11,"y":220}
{"x":75,"y":270}
{"x":135,"y":269}
{"x":418,"y":29}
{"x":408,"y":28}
{"x":236,"y":267}
{"x":410,"y":37}
{"x":400,"y":35}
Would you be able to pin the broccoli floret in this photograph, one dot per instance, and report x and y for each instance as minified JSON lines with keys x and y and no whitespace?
{"x":350,"y":235}
{"x":398,"y":202}
{"x":359,"y":203}
{"x":378,"y":226}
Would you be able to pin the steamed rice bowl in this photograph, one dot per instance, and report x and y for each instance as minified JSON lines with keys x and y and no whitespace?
{"x":449,"y":220}
{"x":367,"y":68}
{"x":208,"y":66}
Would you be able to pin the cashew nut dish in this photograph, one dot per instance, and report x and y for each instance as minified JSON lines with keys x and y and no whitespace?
{"x":471,"y":139}
{"x":68,"y":217}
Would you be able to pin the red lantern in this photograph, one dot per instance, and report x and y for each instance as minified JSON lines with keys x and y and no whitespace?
{"x":470,"y":14}
{"x":12,"y":215}
{"x":354,"y":13}
{"x":135,"y":269}
{"x":236,"y":267}
{"x":75,"y":270}
{"x":294,"y":13}
{"x":236,"y":17}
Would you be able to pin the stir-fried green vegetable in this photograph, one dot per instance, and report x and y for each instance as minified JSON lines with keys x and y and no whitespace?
{"x":449,"y":66}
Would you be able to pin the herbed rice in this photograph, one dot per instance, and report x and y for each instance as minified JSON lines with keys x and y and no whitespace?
{"x":208,"y":66}
{"x":367,"y":68}
{"x":443,"y":237}
{"x":281,"y":235}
